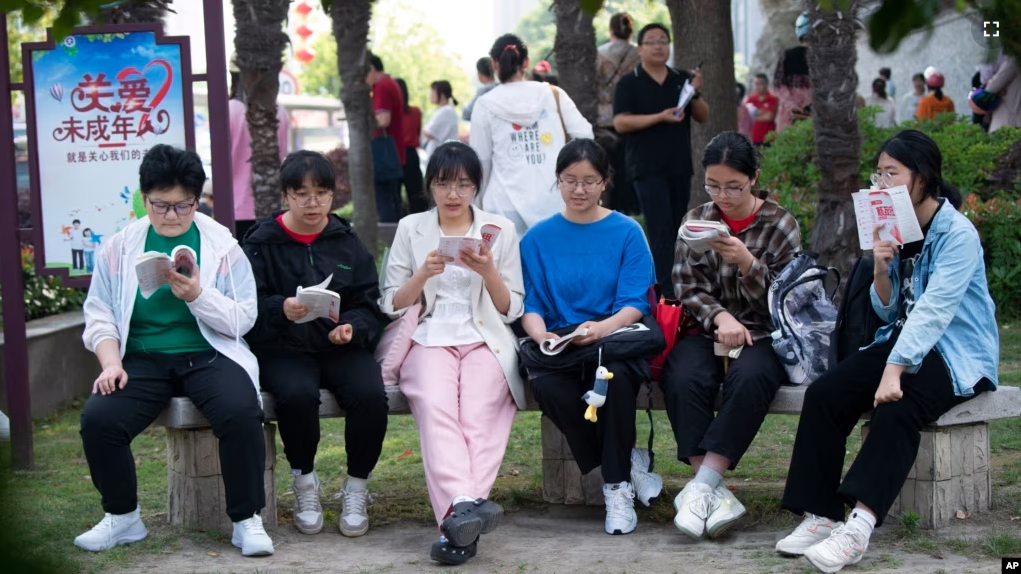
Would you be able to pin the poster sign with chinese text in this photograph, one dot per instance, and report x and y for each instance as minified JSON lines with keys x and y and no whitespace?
{"x":96,"y":103}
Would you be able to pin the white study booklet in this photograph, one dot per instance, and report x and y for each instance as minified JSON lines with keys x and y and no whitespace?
{"x":697,"y":234}
{"x":687,"y":92}
{"x":151,"y":267}
{"x":321,"y":302}
{"x":554,"y":346}
{"x":890,"y":209}
{"x":452,"y":246}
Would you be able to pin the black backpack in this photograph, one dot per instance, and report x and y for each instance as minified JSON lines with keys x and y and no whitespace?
{"x":857,"y":321}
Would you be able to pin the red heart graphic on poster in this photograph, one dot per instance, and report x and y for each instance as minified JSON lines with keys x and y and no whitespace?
{"x":134,"y":90}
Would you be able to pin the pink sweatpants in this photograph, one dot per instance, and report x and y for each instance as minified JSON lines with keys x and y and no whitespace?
{"x":464,"y":411}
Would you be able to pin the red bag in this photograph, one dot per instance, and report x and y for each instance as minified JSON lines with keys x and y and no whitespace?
{"x":674,"y":320}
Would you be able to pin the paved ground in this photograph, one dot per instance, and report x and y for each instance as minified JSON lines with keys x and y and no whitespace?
{"x":560,"y":539}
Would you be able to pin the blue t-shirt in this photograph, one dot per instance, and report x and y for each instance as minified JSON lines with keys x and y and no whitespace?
{"x":578,"y":272}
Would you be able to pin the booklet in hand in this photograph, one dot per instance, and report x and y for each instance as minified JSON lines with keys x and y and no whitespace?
{"x":687,"y":92}
{"x":697,"y":234}
{"x":452,"y":246}
{"x":151,"y":268}
{"x":889,"y":209}
{"x":321,"y":302}
{"x":554,"y":346}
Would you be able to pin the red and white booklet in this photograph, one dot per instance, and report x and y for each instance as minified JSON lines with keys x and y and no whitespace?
{"x":452,"y":246}
{"x":889,"y":209}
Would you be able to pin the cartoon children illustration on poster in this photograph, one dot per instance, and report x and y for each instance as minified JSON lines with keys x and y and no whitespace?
{"x":73,"y":235}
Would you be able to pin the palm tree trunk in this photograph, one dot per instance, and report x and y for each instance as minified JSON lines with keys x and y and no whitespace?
{"x":702,"y":33}
{"x":351,"y":29}
{"x":831,"y":61}
{"x":259,"y":43}
{"x":575,"y":47}
{"x":134,"y":12}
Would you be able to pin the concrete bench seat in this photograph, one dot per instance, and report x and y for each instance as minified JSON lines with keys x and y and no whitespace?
{"x":951,"y":472}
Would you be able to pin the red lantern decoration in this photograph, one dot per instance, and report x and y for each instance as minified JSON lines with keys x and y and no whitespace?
{"x":305,"y":55}
{"x":303,"y":8}
{"x":304,"y":31}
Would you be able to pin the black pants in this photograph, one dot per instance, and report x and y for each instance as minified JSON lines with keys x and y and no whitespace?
{"x":77,"y":259}
{"x":353,"y":376}
{"x":621,"y":195}
{"x":417,"y":200}
{"x":241,"y":227}
{"x":833,"y":405}
{"x":218,"y":386}
{"x":664,"y":202}
{"x":608,"y":441}
{"x":691,"y":381}
{"x":388,"y":200}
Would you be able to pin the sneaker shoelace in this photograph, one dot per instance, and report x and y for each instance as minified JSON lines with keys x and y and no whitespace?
{"x":844,"y":540}
{"x":307,"y":500}
{"x":703,"y":505}
{"x":354,"y":502}
{"x":621,"y":502}
{"x":253,"y":526}
{"x":105,"y":526}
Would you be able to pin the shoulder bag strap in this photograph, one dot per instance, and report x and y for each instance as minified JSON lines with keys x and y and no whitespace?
{"x":556,"y":97}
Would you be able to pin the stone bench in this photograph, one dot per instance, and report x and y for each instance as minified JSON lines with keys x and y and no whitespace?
{"x":951,"y":472}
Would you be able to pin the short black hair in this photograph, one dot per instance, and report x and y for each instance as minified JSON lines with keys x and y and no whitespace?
{"x":449,"y":160}
{"x":585,"y":149}
{"x":78,"y":221}
{"x":301,"y":165}
{"x":375,"y":62}
{"x":764,"y":78}
{"x":484,"y":66}
{"x":885,"y":73}
{"x":654,"y":26}
{"x":165,"y":167}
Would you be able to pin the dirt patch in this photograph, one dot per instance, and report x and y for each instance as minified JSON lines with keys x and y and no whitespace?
{"x":559,"y":539}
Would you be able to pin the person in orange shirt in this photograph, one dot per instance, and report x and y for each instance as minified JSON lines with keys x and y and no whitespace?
{"x":936,"y":102}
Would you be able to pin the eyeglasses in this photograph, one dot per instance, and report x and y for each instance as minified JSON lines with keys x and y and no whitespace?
{"x":881,"y":180}
{"x":715,"y":190}
{"x":463,"y":189}
{"x":589,"y":185}
{"x":656,"y":43}
{"x":304,"y":199}
{"x":181,"y":209}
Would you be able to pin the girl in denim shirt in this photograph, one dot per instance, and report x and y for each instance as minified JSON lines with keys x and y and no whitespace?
{"x":939,"y":347}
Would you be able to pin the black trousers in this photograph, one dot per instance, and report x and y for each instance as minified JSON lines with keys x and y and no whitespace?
{"x":664,"y":201}
{"x":621,"y":194}
{"x":691,"y":381}
{"x":353,"y":376}
{"x":218,"y":386}
{"x":608,"y":441}
{"x":77,"y":259}
{"x":241,"y":227}
{"x":833,"y":405}
{"x":417,"y":200}
{"x":388,"y":200}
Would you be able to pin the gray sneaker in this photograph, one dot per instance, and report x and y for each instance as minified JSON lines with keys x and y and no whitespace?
{"x":308,"y":511}
{"x":648,"y":485}
{"x":354,"y":518}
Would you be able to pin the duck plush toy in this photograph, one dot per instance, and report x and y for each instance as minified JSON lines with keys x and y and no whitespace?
{"x":597,"y":396}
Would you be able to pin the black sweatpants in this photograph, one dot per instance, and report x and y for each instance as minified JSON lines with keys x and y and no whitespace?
{"x":691,"y":380}
{"x":608,"y":441}
{"x":417,"y":200}
{"x":833,"y":405}
{"x":664,"y":201}
{"x":353,"y":376}
{"x":218,"y":386}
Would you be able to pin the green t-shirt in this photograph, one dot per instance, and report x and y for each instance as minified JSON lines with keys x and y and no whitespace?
{"x":163,"y":323}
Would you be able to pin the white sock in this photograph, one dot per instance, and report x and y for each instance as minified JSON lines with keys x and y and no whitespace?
{"x":355,"y":484}
{"x":861,"y":522}
{"x":708,"y":476}
{"x":463,"y":498}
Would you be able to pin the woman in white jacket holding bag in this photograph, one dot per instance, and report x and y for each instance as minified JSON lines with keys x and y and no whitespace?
{"x":460,"y":376}
{"x":518,"y":129}
{"x":185,"y":338}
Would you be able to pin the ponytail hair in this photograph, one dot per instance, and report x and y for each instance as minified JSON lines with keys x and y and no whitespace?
{"x":622,"y":25}
{"x":444,"y":90}
{"x":510,"y":53}
{"x":920,"y":154}
{"x":879,"y":87}
{"x":939,"y":93}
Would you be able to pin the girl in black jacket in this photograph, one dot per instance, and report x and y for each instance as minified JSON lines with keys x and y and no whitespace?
{"x":301,"y":247}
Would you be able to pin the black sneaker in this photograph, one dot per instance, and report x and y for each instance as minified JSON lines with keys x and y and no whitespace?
{"x":446,"y":553}
{"x":470,"y":519}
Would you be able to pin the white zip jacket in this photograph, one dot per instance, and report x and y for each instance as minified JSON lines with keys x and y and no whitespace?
{"x":225,"y":310}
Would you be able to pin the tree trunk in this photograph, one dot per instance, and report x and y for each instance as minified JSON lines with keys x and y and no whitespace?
{"x":702,"y":32}
{"x":831,"y":61}
{"x":576,"y":56}
{"x":135,"y":12}
{"x":259,"y":43}
{"x":351,"y":29}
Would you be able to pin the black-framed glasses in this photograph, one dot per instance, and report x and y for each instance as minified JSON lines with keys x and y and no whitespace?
{"x":656,"y":43}
{"x":305,"y":199}
{"x":181,"y":209}
{"x":715,"y":190}
{"x":463,"y":189}
{"x":589,"y":185}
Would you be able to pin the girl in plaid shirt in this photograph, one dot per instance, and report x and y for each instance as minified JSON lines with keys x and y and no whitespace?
{"x":725,"y":289}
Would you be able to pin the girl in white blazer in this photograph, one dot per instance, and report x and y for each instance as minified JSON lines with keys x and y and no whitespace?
{"x":461,"y":375}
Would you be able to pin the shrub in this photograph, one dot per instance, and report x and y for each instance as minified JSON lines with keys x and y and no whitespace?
{"x":999,"y":225}
{"x":44,"y":296}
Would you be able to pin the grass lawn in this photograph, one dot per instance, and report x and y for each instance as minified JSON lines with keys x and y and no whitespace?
{"x":42,"y":510}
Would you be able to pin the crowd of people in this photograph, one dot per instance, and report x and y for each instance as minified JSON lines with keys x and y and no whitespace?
{"x":559,"y":262}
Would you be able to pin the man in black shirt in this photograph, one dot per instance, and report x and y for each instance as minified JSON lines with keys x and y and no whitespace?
{"x":657,"y":137}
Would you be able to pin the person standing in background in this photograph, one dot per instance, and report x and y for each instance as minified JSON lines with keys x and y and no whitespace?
{"x":765,"y":103}
{"x":417,"y":201}
{"x":241,"y":153}
{"x":484,"y":69}
{"x":745,"y":120}
{"x":887,"y":115}
{"x":891,"y":88}
{"x":615,"y":58}
{"x":909,"y":103}
{"x":442,"y":127}
{"x":1007,"y":84}
{"x":791,"y":80}
{"x":937,"y":102}
{"x":388,"y":105}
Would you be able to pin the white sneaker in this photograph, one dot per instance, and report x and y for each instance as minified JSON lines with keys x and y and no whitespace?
{"x":354,"y":518}
{"x":308,"y":511}
{"x":5,"y":427}
{"x":113,"y":530}
{"x":251,"y":537}
{"x":620,"y":509}
{"x":812,"y":530}
{"x":694,"y":505}
{"x":843,"y":547}
{"x":728,"y":511}
{"x":648,"y":485}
